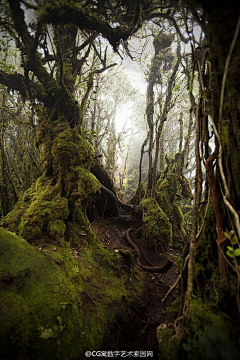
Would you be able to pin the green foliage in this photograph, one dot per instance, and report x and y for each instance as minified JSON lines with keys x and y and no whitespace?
{"x":90,"y":135}
{"x":233,"y":252}
{"x":63,"y":305}
{"x":53,"y":331}
{"x":8,"y":55}
{"x":19,"y":159}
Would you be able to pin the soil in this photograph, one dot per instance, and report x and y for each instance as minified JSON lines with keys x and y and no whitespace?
{"x":140,"y":334}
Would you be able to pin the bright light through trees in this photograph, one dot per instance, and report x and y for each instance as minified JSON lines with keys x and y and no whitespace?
{"x":123,"y":116}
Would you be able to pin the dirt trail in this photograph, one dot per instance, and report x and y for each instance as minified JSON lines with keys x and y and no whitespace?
{"x":141,"y":334}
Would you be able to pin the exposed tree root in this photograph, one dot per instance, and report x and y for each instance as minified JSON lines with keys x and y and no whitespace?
{"x":177,"y":281}
{"x":156,"y":269}
{"x":126,"y":207}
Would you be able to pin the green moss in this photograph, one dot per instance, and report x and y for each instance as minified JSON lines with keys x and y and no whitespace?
{"x":210,"y":333}
{"x":59,"y":126}
{"x":224,"y":134}
{"x":57,"y":228}
{"x":44,"y":137}
{"x":45,"y":209}
{"x":172,"y":311}
{"x":40,"y":215}
{"x":206,"y":259}
{"x":70,"y":149}
{"x":186,"y":188}
{"x":13,"y":219}
{"x":88,"y":294}
{"x":169,"y":350}
{"x":178,"y":222}
{"x":169,"y":190}
{"x":37,"y":210}
{"x":207,"y":334}
{"x":157,"y":227}
{"x":87,"y":185}
{"x":164,"y":196}
{"x":200,"y":316}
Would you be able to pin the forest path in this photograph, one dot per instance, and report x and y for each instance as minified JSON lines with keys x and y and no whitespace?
{"x":141,"y":334}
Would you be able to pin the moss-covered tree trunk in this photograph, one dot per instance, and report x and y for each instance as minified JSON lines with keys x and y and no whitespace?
{"x":223,"y":106}
{"x":56,"y":204}
{"x":198,"y":333}
{"x":225,"y":110}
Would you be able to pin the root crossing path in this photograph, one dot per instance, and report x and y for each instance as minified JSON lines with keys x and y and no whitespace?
{"x":123,"y":233}
{"x":154,"y":269}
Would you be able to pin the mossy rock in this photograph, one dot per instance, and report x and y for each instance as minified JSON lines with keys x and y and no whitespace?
{"x":207,"y":335}
{"x":157,"y":227}
{"x":56,"y":307}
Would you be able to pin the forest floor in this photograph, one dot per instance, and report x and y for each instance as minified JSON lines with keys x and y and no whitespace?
{"x":141,"y":334}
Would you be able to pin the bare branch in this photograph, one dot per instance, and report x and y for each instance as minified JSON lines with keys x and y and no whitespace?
{"x":20,"y":24}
